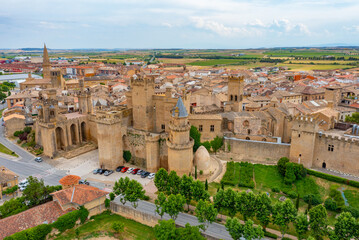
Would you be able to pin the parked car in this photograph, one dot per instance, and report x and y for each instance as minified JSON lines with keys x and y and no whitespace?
{"x":130,"y":170}
{"x":145,"y":174}
{"x":84,"y":182}
{"x":134,"y":171}
{"x":118,"y":169}
{"x":97,"y":170}
{"x":23,"y":184}
{"x":38,"y":159}
{"x":139,"y":172}
{"x":124,"y":169}
{"x":108,"y":172}
{"x":151,"y":175}
{"x":102,"y":171}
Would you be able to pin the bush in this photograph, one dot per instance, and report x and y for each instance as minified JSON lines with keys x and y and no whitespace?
{"x":66,"y":221}
{"x":146,"y":198}
{"x":207,"y":145}
{"x":281,"y":165}
{"x":336,"y":196}
{"x":127,"y":156}
{"x":275,"y":189}
{"x":331,"y":177}
{"x":17,"y":133}
{"x":201,"y":172}
{"x":330,"y":204}
{"x":36,"y":233}
{"x":292,"y":195}
{"x":270,"y":235}
{"x":107,"y":203}
{"x":300,"y":171}
{"x":289,"y":176}
{"x":83,"y":214}
{"x":246,"y":175}
{"x":352,"y":210}
{"x":314,"y":199}
{"x":112,"y":196}
{"x":27,"y":129}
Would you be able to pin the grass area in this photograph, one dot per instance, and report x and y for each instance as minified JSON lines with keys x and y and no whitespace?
{"x":353,"y":197}
{"x":7,"y":151}
{"x":101,"y":226}
{"x":308,"y":67}
{"x":220,"y":62}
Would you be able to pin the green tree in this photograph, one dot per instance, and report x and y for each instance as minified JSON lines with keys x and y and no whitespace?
{"x":127,"y":156}
{"x":263,"y":209}
{"x":161,"y":179}
{"x":120,"y":188}
{"x":246,"y":204}
{"x":199,"y":191}
{"x":289,"y":176}
{"x":195,"y":172}
{"x":160,"y":204}
{"x":196,"y":135}
{"x":318,"y":221}
{"x":206,"y":185}
{"x":165,"y":230}
{"x":36,"y":192}
{"x":281,"y":165}
{"x":118,"y":227}
{"x":207,"y":145}
{"x":345,"y":226}
{"x":186,"y":188}
{"x":216,"y":143}
{"x":234,"y":227}
{"x":173,"y":183}
{"x":112,"y":196}
{"x":246,"y":231}
{"x":12,"y":207}
{"x":189,"y":233}
{"x":354,"y":118}
{"x":206,"y":212}
{"x":230,"y":199}
{"x":283,"y":214}
{"x":301,"y":225}
{"x":134,"y":192}
{"x":219,"y":199}
{"x":174,"y":205}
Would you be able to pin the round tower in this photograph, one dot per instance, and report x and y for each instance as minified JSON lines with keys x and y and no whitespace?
{"x":179,"y":142}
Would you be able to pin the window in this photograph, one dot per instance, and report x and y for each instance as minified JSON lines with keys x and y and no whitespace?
{"x":235,"y":98}
{"x":200,"y":128}
{"x":330,"y":148}
{"x":231,"y":97}
{"x":299,"y":135}
{"x":249,"y":131}
{"x":163,"y":127}
{"x":212,"y":128}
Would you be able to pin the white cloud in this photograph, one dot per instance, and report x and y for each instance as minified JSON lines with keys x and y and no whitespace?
{"x":51,"y":25}
{"x":217,"y":27}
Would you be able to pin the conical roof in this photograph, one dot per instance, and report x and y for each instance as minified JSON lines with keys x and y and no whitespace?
{"x":182,"y":112}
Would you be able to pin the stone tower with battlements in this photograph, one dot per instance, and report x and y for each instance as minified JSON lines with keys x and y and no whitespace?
{"x":46,"y":66}
{"x":235,"y":93}
{"x":84,"y":96}
{"x":179,"y":142}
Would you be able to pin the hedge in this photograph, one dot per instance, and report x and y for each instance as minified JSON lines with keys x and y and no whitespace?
{"x":246,"y":175}
{"x":229,"y":176}
{"x":333,"y":178}
{"x":270,"y":235}
{"x":36,"y":233}
{"x":68,"y":220}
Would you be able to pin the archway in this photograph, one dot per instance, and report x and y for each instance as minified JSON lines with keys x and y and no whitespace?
{"x":73,"y":134}
{"x":60,"y":139}
{"x":324,"y":165}
{"x":247,"y":138}
{"x":83,"y":131}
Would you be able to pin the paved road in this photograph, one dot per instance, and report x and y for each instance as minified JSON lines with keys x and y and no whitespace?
{"x":215,"y":230}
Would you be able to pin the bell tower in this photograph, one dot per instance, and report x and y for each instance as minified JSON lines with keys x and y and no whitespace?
{"x":235,"y":92}
{"x":46,"y":66}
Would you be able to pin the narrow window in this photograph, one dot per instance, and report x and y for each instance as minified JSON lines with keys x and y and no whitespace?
{"x":163,"y":127}
{"x":212,"y":128}
{"x":200,"y":128}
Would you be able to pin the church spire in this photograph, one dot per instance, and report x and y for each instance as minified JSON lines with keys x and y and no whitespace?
{"x":46,"y":64}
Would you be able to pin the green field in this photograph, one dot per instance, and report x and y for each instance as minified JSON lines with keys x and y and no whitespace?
{"x":7,"y":151}
{"x":101,"y":226}
{"x":213,"y":62}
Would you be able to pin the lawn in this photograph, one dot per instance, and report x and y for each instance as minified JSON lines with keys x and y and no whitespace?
{"x":353,"y":198}
{"x":101,"y":226}
{"x":7,"y":151}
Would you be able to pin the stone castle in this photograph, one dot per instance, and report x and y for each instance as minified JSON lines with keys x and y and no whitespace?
{"x":155,"y":128}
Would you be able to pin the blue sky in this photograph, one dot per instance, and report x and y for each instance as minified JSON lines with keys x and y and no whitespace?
{"x":177,"y":23}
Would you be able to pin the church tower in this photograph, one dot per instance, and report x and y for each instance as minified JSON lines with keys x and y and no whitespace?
{"x":46,"y":66}
{"x":84,"y":97}
{"x":179,"y":142}
{"x":235,"y":92}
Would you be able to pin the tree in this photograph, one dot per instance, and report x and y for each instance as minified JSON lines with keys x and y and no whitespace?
{"x":216,"y":143}
{"x":174,"y":205}
{"x":186,"y":188}
{"x":206,"y":185}
{"x":301,"y":225}
{"x":207,"y":145}
{"x":189,"y":233}
{"x":12,"y":207}
{"x":246,"y":231}
{"x":205,"y":213}
{"x":281,"y":165}
{"x":289,"y":176}
{"x":196,"y":135}
{"x":264,"y":209}
{"x":173,"y":183}
{"x":127,"y":156}
{"x":297,"y":202}
{"x":230,"y":198}
{"x":246,"y":204}
{"x":354,"y":118}
{"x":218,"y":200}
{"x":165,"y":230}
{"x":198,"y":191}
{"x":283,"y":214}
{"x":195,"y":172}
{"x":120,"y":188}
{"x":118,"y":226}
{"x":161,"y":179}
{"x":318,"y":221}
{"x":35,"y":192}
{"x":134,"y":192}
{"x":160,"y":204}
{"x":112,"y":196}
{"x":345,"y":226}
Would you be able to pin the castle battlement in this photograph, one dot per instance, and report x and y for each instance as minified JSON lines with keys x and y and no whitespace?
{"x":139,"y":80}
{"x":111,"y":117}
{"x":344,"y":139}
{"x":234,"y":78}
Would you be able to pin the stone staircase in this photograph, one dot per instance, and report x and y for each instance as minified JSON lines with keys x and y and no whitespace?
{"x":79,"y":150}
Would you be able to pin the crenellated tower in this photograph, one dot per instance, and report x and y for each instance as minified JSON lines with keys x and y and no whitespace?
{"x":235,"y":92}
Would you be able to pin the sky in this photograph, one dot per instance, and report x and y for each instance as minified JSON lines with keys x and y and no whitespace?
{"x":233,"y":24}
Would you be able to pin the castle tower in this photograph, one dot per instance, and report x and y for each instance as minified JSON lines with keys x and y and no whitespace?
{"x":46,"y":66}
{"x":56,"y":78}
{"x":302,"y":145}
{"x":143,"y":89}
{"x":179,"y":143}
{"x":332,"y":95}
{"x":84,"y":98}
{"x":235,"y":92}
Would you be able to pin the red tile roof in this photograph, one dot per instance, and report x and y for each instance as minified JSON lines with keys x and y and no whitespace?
{"x":69,"y":180}
{"x":45,"y":213}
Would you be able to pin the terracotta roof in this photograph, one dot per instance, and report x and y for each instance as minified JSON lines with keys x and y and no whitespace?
{"x":79,"y":194}
{"x":45,"y":213}
{"x":69,"y":180}
{"x":6,"y":174}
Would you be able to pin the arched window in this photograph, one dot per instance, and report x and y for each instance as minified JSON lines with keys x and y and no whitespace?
{"x":231,"y":97}
{"x":235,"y":98}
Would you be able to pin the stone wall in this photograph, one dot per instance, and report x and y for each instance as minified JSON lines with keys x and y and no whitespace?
{"x":255,"y":151}
{"x":133,"y":214}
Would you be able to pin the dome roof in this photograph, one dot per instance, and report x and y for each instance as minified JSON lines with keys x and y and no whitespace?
{"x":202,"y":159}
{"x":69,"y":180}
